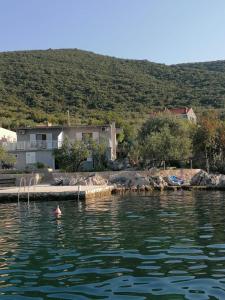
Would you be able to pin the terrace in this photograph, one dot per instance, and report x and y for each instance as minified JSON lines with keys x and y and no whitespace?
{"x":32,"y":145}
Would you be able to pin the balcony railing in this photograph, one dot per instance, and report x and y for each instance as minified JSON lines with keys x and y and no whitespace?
{"x":32,"y":145}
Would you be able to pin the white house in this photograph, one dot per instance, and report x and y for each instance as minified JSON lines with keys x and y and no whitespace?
{"x":7,"y":136}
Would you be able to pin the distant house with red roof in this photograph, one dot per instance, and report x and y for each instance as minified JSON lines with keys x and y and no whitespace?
{"x":182,"y":112}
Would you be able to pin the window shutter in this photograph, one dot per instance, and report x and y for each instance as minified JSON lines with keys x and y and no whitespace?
{"x":32,"y":137}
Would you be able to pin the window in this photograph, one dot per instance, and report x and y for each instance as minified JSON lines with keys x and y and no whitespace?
{"x":86,"y":136}
{"x":30,"y":158}
{"x":21,"y":132}
{"x":41,"y":137}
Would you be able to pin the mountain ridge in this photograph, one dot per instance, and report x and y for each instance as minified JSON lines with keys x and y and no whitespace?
{"x":37,"y":83}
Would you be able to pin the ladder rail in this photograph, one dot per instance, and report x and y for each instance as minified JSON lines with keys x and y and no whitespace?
{"x":22,"y":184}
{"x":32,"y":179}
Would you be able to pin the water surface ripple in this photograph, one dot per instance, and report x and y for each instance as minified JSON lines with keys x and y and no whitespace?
{"x":167,"y":246}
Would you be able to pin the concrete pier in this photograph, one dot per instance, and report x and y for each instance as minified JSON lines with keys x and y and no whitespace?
{"x":48,"y":192}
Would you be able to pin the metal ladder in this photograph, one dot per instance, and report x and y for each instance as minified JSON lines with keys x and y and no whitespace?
{"x":23,"y":184}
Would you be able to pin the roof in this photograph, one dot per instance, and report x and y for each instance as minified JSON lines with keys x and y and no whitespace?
{"x":62,"y":127}
{"x":7,"y":131}
{"x":179,"y":111}
{"x":39,"y":127}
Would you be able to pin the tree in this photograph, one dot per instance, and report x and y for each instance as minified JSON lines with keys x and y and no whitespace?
{"x":98,"y":152}
{"x":165,"y":145}
{"x":71,"y":155}
{"x":209,"y":142}
{"x":134,"y":152}
{"x":127,"y":143}
{"x":6,"y":158}
{"x":165,"y":137}
{"x":156,"y":123}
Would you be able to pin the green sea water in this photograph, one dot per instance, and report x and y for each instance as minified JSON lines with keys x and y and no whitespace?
{"x":166,"y":246}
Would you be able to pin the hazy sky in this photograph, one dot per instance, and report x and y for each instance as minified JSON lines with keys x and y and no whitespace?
{"x":166,"y":31}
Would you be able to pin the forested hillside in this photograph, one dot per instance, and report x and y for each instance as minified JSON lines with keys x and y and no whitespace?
{"x":36,"y":85}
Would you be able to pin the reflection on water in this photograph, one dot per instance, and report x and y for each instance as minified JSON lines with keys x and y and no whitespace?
{"x":164,"y":246}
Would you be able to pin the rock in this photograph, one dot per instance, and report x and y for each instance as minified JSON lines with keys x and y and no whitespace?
{"x":199,"y":178}
{"x":148,"y":188}
{"x":222,"y":181}
{"x":89,"y":180}
{"x":119,"y":180}
{"x":61,"y":181}
{"x":98,"y":180}
{"x":139,"y":182}
{"x":202,"y":178}
{"x":120,"y":164}
{"x":92,"y":180}
{"x":58,"y":181}
{"x":73,"y":181}
{"x":158,"y":182}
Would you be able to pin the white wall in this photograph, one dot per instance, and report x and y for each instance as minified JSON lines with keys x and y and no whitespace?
{"x":7,"y":135}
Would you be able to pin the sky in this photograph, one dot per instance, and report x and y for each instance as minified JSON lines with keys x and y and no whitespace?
{"x":164,"y":31}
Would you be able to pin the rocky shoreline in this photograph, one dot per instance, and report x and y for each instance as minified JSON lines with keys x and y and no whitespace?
{"x":143,"y":181}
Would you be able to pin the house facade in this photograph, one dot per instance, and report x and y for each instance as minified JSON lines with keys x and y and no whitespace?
{"x":37,"y":144}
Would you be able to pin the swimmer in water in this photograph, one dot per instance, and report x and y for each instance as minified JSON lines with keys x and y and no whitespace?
{"x":57,"y":211}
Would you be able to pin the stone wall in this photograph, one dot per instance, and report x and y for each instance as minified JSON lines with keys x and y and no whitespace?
{"x":185,"y":174}
{"x":27,"y":177}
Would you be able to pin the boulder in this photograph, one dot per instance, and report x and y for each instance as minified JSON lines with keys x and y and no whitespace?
{"x":199,"y":178}
{"x":98,"y":180}
{"x":74,"y":180}
{"x":158,"y":182}
{"x":120,"y":164}
{"x":92,"y":180}
{"x":139,"y":180}
{"x":61,"y":180}
{"x":222,"y":181}
{"x":122,"y":180}
{"x":202,"y":178}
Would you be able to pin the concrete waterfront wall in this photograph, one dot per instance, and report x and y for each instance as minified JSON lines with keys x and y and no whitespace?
{"x":47,"y":193}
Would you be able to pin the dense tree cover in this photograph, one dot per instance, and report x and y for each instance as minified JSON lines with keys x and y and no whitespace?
{"x":40,"y":85}
{"x":209,"y":142}
{"x":177,"y":141}
{"x":165,"y":138}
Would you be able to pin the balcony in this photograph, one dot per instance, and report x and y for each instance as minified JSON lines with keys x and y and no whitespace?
{"x":32,"y":146}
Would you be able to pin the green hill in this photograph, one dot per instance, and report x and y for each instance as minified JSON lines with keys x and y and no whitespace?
{"x":37,"y":84}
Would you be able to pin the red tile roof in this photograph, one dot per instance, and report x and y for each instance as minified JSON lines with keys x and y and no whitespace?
{"x":179,"y":111}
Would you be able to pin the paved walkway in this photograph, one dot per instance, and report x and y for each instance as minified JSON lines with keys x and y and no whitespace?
{"x":43,"y":191}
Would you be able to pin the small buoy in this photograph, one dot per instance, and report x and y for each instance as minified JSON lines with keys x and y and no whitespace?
{"x":57,"y":211}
